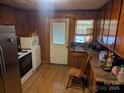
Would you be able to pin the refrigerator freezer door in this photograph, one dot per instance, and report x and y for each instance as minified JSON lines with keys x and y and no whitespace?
{"x":1,"y":78}
{"x":11,"y":75}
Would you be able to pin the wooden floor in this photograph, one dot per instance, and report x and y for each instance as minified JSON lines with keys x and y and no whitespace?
{"x":49,"y":79}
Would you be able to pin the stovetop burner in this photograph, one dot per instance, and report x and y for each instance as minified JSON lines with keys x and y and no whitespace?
{"x":18,"y":55}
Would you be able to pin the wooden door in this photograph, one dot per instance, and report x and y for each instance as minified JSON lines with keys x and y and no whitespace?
{"x":114,"y":23}
{"x":119,"y":48}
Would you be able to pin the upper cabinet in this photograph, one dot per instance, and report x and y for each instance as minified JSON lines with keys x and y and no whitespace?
{"x":107,"y":22}
{"x":101,"y":22}
{"x":111,"y":26}
{"x":119,"y":48}
{"x":114,"y":23}
{"x":14,"y":16}
{"x":21,"y":23}
{"x":7,"y":16}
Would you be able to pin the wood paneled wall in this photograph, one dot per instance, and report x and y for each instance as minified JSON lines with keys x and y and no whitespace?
{"x":44,"y":24}
{"x":28,"y":22}
{"x":14,"y":16}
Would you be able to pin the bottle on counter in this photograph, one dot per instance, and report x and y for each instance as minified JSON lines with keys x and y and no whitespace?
{"x":109,"y":61}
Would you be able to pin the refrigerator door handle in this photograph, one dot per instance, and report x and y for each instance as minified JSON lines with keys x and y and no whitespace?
{"x":2,"y":60}
{"x":1,"y":65}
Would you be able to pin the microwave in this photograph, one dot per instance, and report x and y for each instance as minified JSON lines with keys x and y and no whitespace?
{"x":29,"y":42}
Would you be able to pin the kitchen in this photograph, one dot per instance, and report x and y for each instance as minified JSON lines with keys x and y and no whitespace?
{"x":92,"y":25}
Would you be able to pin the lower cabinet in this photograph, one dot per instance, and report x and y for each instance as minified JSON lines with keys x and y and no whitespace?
{"x":75,"y":58}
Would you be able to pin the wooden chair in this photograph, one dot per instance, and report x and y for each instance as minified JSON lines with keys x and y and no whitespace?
{"x":78,"y":72}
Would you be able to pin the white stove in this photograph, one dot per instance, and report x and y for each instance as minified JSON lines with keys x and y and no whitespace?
{"x":23,"y":53}
{"x":25,"y":61}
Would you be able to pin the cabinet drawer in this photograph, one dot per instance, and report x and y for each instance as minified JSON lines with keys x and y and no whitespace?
{"x":77,"y":53}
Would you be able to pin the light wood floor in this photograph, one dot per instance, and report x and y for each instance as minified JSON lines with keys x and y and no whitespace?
{"x":49,"y":79}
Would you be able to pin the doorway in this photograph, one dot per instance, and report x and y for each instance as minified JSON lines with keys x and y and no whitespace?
{"x":59,"y":29}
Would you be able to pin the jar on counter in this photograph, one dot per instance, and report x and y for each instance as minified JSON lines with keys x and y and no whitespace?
{"x":121,"y":74}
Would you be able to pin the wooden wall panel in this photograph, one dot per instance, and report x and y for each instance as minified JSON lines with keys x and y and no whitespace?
{"x":33,"y":21}
{"x":119,"y":48}
{"x":72,"y":16}
{"x":36,"y":24}
{"x":44,"y":24}
{"x":21,"y":23}
{"x":28,"y":22}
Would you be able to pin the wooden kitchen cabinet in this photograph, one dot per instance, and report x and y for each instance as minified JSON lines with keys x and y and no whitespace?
{"x":119,"y":47}
{"x":75,"y":58}
{"x":114,"y":23}
{"x":111,"y":32}
{"x":107,"y":22}
{"x":8,"y":17}
{"x":101,"y":22}
{"x":21,"y":23}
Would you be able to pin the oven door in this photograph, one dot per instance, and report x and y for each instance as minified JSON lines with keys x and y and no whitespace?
{"x":25,"y":64}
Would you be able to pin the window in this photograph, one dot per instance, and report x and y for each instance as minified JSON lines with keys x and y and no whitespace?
{"x":84,"y":31}
{"x":59,"y":29}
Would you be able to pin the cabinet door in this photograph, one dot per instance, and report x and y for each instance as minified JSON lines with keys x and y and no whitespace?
{"x":114,"y":23}
{"x":7,"y":15}
{"x":107,"y":22}
{"x":119,"y":48}
{"x":76,"y":58}
{"x":101,"y":22}
{"x":21,"y":23}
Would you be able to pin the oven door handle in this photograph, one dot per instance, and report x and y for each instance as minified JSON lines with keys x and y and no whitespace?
{"x":2,"y":61}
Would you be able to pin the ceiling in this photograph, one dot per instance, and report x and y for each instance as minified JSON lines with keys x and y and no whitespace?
{"x":55,"y":4}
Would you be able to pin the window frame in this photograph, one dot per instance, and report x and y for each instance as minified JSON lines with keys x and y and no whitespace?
{"x":91,"y":34}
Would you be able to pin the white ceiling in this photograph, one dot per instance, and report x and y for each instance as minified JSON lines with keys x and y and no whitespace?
{"x":55,"y":4}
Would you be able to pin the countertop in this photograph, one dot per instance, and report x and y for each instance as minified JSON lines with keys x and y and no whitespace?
{"x":100,"y":74}
{"x":77,"y":50}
